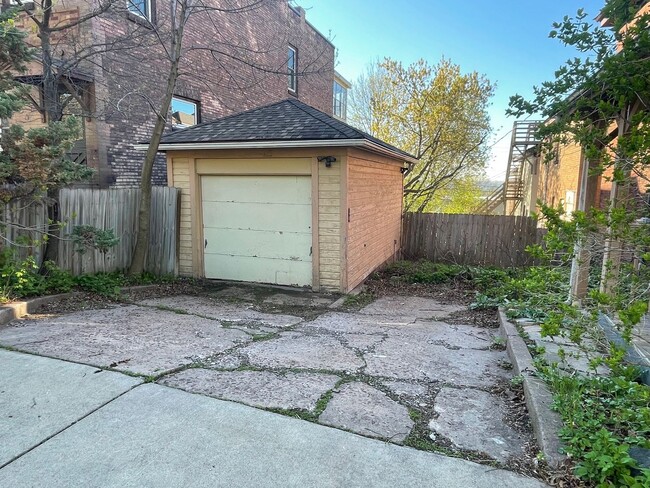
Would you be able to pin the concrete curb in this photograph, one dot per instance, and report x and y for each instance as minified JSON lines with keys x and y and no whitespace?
{"x":546,"y":423}
{"x":16,"y":310}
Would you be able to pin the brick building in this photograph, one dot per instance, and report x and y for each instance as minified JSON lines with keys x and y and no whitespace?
{"x":232,"y":61}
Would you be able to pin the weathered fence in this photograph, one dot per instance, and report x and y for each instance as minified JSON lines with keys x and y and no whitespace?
{"x":115,"y":209}
{"x":476,"y":240}
{"x":22,"y":227}
{"x":118,"y":210}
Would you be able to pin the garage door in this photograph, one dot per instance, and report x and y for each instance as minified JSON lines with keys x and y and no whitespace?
{"x":258,"y":228}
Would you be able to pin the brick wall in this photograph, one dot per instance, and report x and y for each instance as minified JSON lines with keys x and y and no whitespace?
{"x":249,"y":73}
{"x":249,"y":70}
{"x":375,"y":205}
{"x":560,"y":175}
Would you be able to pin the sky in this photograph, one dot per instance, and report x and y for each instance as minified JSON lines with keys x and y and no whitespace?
{"x":507,"y":40}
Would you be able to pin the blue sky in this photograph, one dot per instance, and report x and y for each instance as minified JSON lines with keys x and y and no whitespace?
{"x":507,"y":40}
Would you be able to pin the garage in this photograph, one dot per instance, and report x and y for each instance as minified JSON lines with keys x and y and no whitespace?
{"x":285,"y":194}
{"x":258,"y":228}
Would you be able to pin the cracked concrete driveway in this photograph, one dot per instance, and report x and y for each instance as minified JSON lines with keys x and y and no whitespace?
{"x":394,"y":370}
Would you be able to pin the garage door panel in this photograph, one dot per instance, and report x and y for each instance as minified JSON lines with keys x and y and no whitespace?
{"x":262,"y":270}
{"x":234,"y":242}
{"x":256,"y":189}
{"x":235,"y":215}
{"x":258,"y":228}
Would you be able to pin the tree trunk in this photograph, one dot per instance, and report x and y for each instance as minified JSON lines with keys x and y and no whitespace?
{"x":144,"y":215}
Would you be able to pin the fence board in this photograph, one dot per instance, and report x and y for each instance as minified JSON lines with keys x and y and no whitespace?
{"x":475,"y":240}
{"x":117,"y":209}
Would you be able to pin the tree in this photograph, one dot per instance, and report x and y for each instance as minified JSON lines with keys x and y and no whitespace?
{"x":437,"y":113}
{"x":601,"y":102}
{"x":31,"y":161}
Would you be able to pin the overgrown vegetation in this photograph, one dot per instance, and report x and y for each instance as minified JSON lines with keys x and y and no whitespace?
{"x":24,"y":278}
{"x":603,"y":416}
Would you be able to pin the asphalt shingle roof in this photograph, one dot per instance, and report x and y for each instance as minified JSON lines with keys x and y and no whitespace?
{"x":288,"y":120}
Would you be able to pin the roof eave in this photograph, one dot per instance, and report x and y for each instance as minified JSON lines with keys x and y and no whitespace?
{"x":359,"y":143}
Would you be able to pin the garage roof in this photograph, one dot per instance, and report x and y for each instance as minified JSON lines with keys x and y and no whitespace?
{"x":289,"y":123}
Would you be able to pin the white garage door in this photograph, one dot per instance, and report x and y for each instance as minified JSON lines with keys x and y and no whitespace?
{"x":258,"y":228}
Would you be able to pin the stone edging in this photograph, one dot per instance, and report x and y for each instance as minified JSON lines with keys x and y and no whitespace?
{"x":546,"y":423}
{"x":16,"y":310}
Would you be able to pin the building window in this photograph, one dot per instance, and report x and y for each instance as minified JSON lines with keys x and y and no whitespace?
{"x":185,"y":113}
{"x":292,"y":64}
{"x":340,"y":100}
{"x":141,"y":8}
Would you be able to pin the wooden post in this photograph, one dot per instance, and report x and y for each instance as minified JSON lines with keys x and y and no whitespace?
{"x":587,"y":191}
{"x":612,"y":254}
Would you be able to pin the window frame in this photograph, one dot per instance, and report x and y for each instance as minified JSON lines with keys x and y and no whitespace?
{"x":292,"y":76}
{"x":341,"y":102}
{"x":197,"y":112}
{"x":133,"y":10}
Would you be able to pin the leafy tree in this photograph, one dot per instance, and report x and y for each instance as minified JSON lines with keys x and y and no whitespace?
{"x":437,"y":113}
{"x":601,"y":102}
{"x":33,"y":161}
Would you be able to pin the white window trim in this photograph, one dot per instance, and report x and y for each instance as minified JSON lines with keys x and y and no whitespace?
{"x":292,"y":72}
{"x":131,"y":7}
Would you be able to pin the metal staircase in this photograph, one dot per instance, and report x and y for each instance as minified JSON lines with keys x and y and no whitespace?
{"x":509,"y":198}
{"x":523,"y":145}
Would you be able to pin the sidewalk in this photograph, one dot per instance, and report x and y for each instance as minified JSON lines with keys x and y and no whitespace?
{"x":64,"y":424}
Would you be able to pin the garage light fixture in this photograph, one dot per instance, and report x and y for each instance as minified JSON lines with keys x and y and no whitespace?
{"x":328,"y":160}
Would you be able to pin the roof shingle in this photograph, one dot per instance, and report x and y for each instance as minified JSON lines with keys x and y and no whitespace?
{"x":287,"y":120}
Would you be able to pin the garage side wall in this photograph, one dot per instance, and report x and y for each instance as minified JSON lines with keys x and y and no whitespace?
{"x":329,"y":225}
{"x":374,"y":187}
{"x":179,"y":176}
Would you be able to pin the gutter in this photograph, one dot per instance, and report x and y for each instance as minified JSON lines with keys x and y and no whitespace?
{"x":361,"y":143}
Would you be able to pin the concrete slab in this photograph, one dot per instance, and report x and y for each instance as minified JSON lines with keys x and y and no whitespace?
{"x":233,"y":314}
{"x":362,"y":342}
{"x":40,"y":397}
{"x":304,"y":300}
{"x":156,"y":436}
{"x":450,"y":336}
{"x":365,"y":410}
{"x":473,"y":420}
{"x":245,"y":293}
{"x":422,"y":308}
{"x":405,"y":389}
{"x":256,"y":388}
{"x":409,"y":358}
{"x":137,"y":339}
{"x":355,"y":323}
{"x":294,"y":350}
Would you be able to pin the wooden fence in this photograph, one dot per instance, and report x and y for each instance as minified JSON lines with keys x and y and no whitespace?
{"x":22,"y":226}
{"x":475,"y":240}
{"x":115,"y":209}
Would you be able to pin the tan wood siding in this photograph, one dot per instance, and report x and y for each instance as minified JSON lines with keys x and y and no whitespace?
{"x":374,"y":194}
{"x":180,"y":178}
{"x":329,"y":226}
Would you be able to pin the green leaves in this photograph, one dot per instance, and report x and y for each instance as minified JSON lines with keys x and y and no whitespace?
{"x":437,"y":113}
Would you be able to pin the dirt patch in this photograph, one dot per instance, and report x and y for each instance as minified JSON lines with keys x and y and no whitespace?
{"x":455,"y":291}
{"x":486,"y":318}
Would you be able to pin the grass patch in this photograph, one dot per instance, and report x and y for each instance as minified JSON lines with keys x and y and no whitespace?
{"x":358,"y":301}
